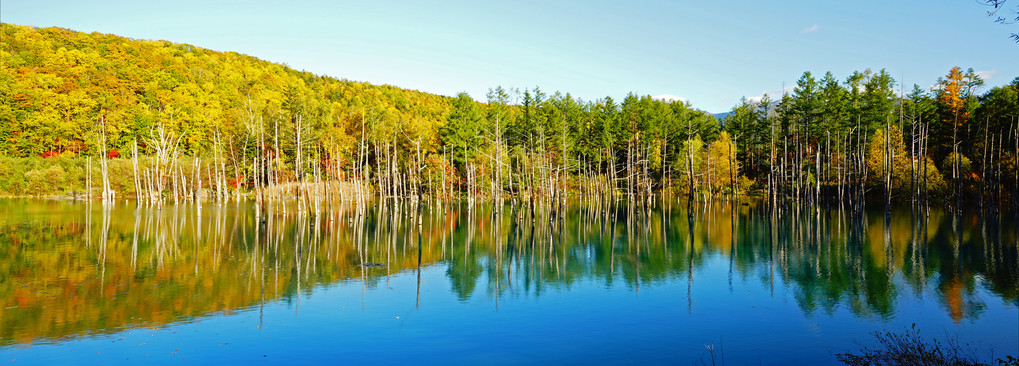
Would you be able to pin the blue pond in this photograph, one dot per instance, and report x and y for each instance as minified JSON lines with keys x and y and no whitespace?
{"x":457,"y":284}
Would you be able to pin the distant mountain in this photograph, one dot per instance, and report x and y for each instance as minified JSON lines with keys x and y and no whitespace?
{"x":771,"y":108}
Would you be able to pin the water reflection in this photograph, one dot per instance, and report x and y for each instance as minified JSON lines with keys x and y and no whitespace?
{"x":69,"y":270}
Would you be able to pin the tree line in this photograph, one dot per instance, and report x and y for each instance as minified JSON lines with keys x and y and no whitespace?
{"x":847,"y":140}
{"x":201,"y":124}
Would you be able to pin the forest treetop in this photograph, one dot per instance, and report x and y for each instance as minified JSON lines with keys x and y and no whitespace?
{"x":58,"y":84}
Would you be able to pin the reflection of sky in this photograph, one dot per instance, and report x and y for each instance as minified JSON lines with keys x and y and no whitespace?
{"x":587,"y":323}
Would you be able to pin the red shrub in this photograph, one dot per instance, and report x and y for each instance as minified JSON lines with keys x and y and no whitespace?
{"x":232,"y":182}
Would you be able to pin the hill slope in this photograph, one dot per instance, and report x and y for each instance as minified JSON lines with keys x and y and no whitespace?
{"x":56,"y":85}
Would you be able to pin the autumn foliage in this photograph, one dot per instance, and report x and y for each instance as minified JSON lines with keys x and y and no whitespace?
{"x":56,"y":84}
{"x":951,"y":97}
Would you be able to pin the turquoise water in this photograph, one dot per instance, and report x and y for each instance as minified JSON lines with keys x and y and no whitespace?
{"x":236,"y":284}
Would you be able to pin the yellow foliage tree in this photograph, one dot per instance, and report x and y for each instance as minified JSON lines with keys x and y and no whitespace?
{"x":721,"y":154}
{"x":902,"y":167}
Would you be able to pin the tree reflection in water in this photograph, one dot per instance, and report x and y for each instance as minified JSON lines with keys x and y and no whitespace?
{"x":70,"y":270}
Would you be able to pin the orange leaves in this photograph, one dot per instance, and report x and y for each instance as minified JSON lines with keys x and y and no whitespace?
{"x":951,"y":95}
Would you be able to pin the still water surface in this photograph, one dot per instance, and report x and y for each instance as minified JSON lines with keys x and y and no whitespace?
{"x":457,"y":285}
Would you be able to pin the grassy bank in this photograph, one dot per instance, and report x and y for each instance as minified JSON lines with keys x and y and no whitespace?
{"x":62,"y":176}
{"x":41,"y":177}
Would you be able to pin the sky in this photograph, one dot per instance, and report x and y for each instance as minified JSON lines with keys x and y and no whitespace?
{"x":709,"y":53}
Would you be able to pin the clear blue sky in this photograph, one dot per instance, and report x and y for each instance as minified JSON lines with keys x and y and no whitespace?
{"x":707,"y":52}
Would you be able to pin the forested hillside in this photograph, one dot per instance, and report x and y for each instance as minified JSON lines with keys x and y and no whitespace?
{"x":247,"y":126}
{"x":57,"y":85}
